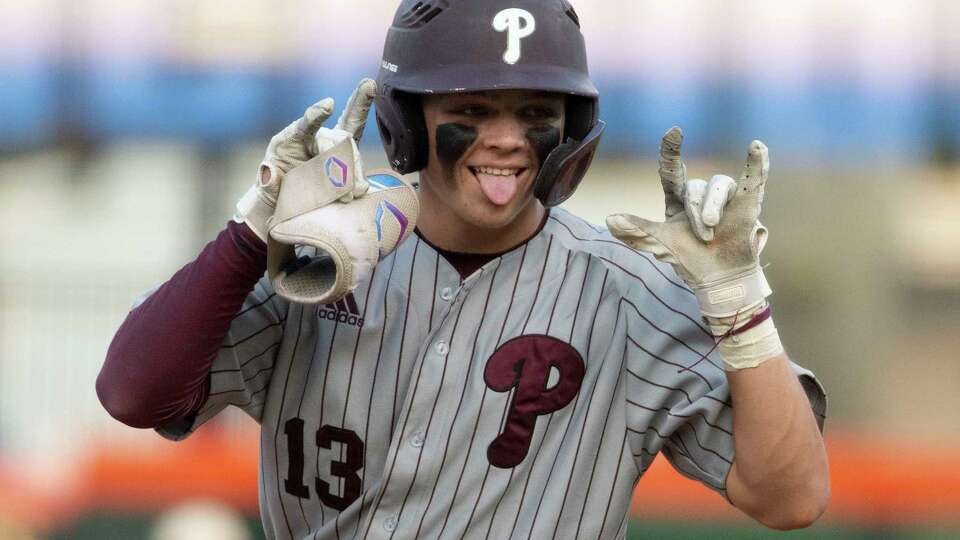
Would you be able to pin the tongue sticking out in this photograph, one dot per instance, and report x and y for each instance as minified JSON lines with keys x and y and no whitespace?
{"x":499,"y":189}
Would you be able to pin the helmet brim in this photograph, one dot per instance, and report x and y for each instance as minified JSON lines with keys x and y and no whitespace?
{"x":440,"y":80}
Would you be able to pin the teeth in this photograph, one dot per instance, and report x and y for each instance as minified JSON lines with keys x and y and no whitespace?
{"x":497,"y":172}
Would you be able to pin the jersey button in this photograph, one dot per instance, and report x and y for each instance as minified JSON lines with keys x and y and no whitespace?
{"x":442,"y":348}
{"x":446,"y":294}
{"x":390,"y":524}
{"x":418,"y":439}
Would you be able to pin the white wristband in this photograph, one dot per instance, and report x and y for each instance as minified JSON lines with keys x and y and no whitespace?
{"x":750,"y":348}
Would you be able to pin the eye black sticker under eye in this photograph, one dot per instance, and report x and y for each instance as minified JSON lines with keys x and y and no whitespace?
{"x":543,"y":140}
{"x":453,"y":140}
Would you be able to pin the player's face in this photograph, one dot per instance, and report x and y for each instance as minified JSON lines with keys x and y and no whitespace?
{"x":485,"y":151}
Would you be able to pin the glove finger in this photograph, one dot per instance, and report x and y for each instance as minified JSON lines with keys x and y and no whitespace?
{"x":360,"y":187}
{"x":360,"y":184}
{"x":673,"y":172}
{"x":694,"y":193}
{"x":354,"y":116}
{"x":326,"y":138}
{"x":750,"y":187}
{"x":630,"y":229}
{"x":303,"y":128}
{"x":757,"y":167}
{"x":759,"y":238}
{"x":640,"y":234}
{"x":269,"y":179}
{"x":313,"y":118}
{"x":358,"y":177}
{"x":720,"y":191}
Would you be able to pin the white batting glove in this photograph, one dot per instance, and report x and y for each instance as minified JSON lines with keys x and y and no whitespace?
{"x":350,"y":127}
{"x":328,"y":204}
{"x":297,"y":143}
{"x":713,"y":239}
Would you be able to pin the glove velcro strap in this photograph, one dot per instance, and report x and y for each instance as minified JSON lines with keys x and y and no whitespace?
{"x":733,"y":295}
{"x":347,"y":239}
{"x":316,"y":183}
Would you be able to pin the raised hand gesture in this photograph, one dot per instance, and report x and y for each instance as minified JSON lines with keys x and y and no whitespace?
{"x":299,"y":142}
{"x":711,"y":234}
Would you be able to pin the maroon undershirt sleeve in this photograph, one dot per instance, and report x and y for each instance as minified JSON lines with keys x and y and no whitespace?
{"x":157,"y":367}
{"x":156,"y":370}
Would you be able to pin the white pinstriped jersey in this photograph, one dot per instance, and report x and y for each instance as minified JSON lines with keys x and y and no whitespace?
{"x":522,"y":402}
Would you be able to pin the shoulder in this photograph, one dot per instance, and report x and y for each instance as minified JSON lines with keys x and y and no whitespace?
{"x":628,"y":271}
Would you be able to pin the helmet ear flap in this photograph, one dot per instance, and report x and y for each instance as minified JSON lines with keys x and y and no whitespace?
{"x":402,"y":130}
{"x":565,"y":167}
{"x":581,"y":116}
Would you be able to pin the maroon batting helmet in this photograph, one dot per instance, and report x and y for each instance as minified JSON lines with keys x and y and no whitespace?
{"x":451,"y":46}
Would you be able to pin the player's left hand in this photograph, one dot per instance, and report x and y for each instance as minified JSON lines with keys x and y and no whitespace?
{"x":712,"y":234}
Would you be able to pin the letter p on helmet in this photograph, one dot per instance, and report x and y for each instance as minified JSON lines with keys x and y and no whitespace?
{"x":518,"y":24}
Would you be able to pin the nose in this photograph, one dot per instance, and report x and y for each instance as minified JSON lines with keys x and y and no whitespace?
{"x":504,"y":134}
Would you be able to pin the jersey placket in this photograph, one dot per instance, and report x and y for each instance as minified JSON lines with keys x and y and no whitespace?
{"x":458,"y":362}
{"x":425,"y":414}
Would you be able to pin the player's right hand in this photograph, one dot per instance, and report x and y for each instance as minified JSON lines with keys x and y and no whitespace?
{"x":299,"y":142}
{"x":330,"y":225}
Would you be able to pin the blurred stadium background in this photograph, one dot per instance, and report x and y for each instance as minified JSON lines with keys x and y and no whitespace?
{"x":128,"y":129}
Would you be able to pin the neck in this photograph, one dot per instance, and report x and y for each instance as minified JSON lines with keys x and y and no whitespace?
{"x":445,"y":229}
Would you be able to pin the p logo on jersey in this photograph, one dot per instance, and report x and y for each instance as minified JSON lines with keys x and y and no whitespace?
{"x":518,"y":24}
{"x":544,"y":374}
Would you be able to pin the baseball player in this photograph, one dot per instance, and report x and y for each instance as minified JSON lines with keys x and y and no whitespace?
{"x":506,"y":370}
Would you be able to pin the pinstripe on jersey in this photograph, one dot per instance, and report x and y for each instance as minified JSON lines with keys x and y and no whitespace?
{"x":385,"y":429}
